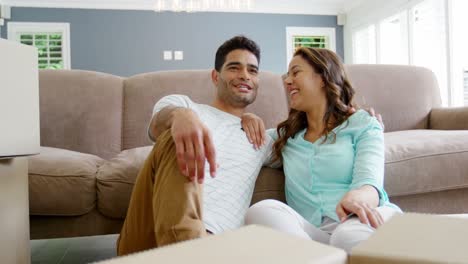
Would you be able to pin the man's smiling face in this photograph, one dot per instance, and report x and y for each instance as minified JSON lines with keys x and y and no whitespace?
{"x":237,"y":81}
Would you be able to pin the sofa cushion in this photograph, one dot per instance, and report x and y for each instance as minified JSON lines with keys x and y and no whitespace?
{"x":422,"y":161}
{"x":269,"y":185}
{"x":62,"y":182}
{"x":115,"y":180}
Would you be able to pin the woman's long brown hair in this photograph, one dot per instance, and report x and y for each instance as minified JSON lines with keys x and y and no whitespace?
{"x":339,"y":94}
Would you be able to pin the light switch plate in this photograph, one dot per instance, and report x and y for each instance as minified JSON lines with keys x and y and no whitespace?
{"x":167,"y":54}
{"x":178,"y":55}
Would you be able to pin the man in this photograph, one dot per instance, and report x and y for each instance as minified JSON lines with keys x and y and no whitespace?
{"x":172,"y":200}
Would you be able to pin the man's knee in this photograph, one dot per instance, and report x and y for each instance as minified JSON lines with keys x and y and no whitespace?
{"x":164,"y":143}
{"x":163,"y":152}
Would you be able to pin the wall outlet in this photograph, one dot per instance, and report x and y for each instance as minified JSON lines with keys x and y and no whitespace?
{"x":178,"y":55}
{"x":167,"y":55}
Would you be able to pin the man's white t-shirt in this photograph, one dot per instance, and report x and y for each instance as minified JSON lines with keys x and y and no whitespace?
{"x":226,"y":197}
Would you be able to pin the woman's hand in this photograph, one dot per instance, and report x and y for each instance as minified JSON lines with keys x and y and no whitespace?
{"x":361,"y":202}
{"x":254,"y":129}
{"x":372,"y":112}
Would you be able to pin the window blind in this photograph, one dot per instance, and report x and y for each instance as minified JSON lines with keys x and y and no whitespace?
{"x":49,"y":46}
{"x":310,"y":41}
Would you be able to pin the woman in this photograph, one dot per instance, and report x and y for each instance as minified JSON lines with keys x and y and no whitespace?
{"x":333,"y":160}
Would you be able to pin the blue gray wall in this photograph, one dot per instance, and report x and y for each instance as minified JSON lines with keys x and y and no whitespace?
{"x":124,"y":42}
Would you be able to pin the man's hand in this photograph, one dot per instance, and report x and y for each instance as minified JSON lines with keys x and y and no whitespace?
{"x":193,"y":144}
{"x":361,"y":202}
{"x":254,"y":129}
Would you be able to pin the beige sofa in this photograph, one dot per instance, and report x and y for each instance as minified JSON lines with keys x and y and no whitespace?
{"x":93,"y":133}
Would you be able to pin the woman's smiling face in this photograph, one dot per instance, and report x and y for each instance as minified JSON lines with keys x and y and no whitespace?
{"x":304,"y":86}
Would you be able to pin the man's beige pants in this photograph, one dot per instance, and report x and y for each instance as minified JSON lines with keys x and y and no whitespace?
{"x":165,"y":207}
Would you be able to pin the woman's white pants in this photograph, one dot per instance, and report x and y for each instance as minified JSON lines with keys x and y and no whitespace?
{"x":346,"y":235}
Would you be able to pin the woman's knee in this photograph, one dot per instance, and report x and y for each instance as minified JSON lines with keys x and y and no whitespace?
{"x":276,"y":215}
{"x":268,"y":203}
{"x":348,"y":235}
{"x":352,"y":232}
{"x":260,"y":211}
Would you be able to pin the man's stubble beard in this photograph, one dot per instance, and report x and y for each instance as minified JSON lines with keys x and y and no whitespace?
{"x":227,"y":95}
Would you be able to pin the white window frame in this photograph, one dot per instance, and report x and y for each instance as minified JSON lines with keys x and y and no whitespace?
{"x":329,"y":32}
{"x":464,"y":99}
{"x":376,"y":43}
{"x":38,"y":27}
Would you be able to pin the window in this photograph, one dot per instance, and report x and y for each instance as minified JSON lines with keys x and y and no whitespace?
{"x":308,"y":37}
{"x":428,"y":41}
{"x":364,"y":47}
{"x":459,"y":53}
{"x":52,"y":41}
{"x":393,"y":40}
{"x":415,"y":35}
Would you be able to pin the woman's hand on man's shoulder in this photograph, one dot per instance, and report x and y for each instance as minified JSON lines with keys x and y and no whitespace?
{"x":254,"y":129}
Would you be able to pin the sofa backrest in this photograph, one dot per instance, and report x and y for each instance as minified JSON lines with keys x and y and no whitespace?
{"x":102,"y":114}
{"x":403,"y":95}
{"x":142,"y":91}
{"x":81,"y":111}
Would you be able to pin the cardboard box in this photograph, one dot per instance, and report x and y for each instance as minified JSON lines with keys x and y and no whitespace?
{"x":19,"y":99}
{"x":416,"y":238}
{"x":251,"y":244}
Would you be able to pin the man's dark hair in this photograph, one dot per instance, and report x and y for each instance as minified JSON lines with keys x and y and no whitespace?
{"x":237,"y":42}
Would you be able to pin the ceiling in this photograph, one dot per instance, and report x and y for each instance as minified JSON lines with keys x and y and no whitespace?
{"x":315,"y":7}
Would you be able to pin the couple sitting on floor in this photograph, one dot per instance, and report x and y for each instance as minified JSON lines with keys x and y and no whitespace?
{"x":332,"y":156}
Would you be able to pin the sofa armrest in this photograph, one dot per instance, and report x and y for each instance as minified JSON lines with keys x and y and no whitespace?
{"x":455,"y":118}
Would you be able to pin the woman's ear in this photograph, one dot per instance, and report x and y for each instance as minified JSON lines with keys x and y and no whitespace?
{"x":322,"y":83}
